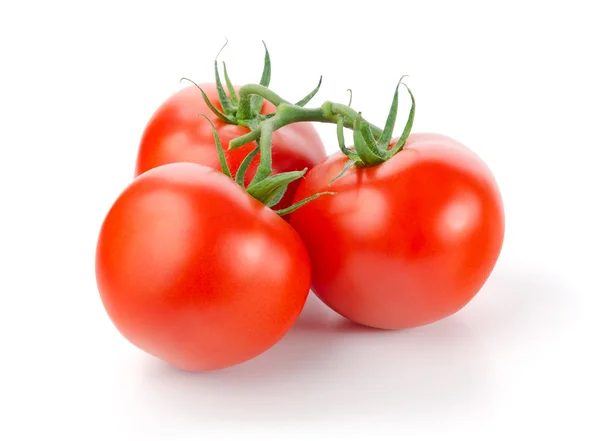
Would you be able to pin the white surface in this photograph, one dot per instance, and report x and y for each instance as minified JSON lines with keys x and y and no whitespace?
{"x":516,"y":81}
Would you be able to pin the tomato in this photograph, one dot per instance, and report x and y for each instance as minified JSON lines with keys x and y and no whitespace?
{"x":194,"y":271}
{"x":176,"y":133}
{"x":406,"y":242}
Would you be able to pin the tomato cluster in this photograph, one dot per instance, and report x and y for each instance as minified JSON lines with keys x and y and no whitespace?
{"x":206,"y":258}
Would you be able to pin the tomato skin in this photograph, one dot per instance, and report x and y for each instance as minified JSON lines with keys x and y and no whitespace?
{"x":194,"y":271}
{"x":404,"y":243}
{"x":176,"y":133}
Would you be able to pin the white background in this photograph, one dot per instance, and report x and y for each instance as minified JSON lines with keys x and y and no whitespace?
{"x":518,"y":82}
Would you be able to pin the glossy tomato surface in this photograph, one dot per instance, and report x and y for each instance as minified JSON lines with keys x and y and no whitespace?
{"x":404,"y":243}
{"x":196,"y":272}
{"x":176,"y":133}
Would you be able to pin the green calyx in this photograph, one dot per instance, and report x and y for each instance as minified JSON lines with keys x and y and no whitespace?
{"x":268,"y":190}
{"x":374,"y":148}
{"x":244,"y":108}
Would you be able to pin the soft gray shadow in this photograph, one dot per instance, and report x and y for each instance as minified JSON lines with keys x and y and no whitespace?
{"x":521,"y":303}
{"x":329,"y":369}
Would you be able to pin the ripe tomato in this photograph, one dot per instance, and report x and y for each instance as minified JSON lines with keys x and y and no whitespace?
{"x":194,"y":271}
{"x":176,"y":133}
{"x":406,"y":242}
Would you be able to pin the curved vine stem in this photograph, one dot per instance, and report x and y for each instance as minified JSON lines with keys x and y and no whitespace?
{"x":370,"y":141}
{"x":328,"y":112}
{"x":245,"y":99}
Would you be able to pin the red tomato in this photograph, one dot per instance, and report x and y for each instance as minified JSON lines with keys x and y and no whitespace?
{"x":404,"y":243}
{"x":194,"y":271}
{"x":176,"y":133}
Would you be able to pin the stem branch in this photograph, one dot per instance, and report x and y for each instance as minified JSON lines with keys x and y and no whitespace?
{"x":288,"y":113}
{"x":246,"y":92}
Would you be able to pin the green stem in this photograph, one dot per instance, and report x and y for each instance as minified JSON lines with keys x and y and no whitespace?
{"x":371,"y":143}
{"x":367,"y":136}
{"x":265,"y":166}
{"x":350,"y":115}
{"x":289,"y":113}
{"x":328,"y":112}
{"x":246,"y":92}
